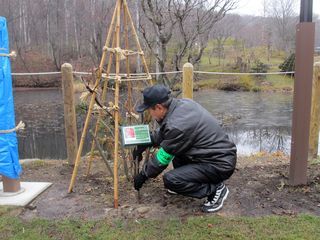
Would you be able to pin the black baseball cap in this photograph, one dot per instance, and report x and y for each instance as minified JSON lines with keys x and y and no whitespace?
{"x":153,"y":95}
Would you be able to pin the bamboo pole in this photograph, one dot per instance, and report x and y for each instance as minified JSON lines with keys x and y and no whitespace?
{"x":129,"y":85}
{"x":187,"y":83}
{"x":103,"y":155}
{"x":116,"y":110}
{"x":92,"y":101}
{"x":315,"y":113}
{"x":136,"y":39}
{"x":70,"y":122}
{"x":103,"y":99}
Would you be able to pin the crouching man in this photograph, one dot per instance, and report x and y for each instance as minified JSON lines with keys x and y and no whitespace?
{"x":202,"y":154}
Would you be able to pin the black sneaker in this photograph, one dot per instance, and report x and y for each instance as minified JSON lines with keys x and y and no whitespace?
{"x":214,"y":204}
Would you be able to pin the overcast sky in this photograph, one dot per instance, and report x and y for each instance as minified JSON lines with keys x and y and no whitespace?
{"x":254,"y":7}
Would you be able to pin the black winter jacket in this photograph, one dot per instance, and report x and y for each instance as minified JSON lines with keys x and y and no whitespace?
{"x":190,"y":132}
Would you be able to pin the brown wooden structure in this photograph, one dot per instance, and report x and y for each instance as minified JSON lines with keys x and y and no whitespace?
{"x":114,"y":50}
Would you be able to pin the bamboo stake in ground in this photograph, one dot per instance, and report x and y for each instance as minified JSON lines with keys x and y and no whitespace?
{"x":92,"y":101}
{"x":103,"y":99}
{"x":116,"y":110}
{"x":103,"y":155}
{"x":129,"y":85}
{"x":315,"y":113}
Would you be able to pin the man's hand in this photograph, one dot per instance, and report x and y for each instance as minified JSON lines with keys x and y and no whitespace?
{"x":137,"y":152}
{"x":139,"y":180}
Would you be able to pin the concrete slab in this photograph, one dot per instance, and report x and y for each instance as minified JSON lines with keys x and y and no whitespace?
{"x":29,"y":191}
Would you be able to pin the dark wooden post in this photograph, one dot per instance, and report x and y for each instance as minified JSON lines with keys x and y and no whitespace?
{"x":305,"y":33}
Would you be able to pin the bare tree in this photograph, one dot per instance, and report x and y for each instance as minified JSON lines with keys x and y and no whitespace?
{"x":159,"y":14}
{"x":174,"y":31}
{"x":99,"y":21}
{"x":189,"y":21}
{"x":222,"y":31}
{"x":284,"y":20}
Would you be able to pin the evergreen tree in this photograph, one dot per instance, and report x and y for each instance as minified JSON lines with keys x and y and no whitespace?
{"x":289,"y":63}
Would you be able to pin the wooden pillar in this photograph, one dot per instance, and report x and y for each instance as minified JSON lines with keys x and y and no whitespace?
{"x":70,"y":122}
{"x":187,"y":83}
{"x":315,"y":113}
{"x":10,"y":185}
{"x":302,"y":103}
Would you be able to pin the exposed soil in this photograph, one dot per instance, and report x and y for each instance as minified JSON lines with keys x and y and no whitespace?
{"x":258,"y":187}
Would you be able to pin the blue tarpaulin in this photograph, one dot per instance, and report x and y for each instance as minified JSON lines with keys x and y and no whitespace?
{"x":9,"y":158}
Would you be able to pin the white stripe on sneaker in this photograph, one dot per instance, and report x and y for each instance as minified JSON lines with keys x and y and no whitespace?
{"x":221,"y":204}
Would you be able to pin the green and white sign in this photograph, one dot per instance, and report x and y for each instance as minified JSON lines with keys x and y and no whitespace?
{"x":135,"y":135}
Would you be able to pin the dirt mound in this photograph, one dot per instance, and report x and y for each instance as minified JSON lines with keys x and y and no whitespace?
{"x":258,"y":187}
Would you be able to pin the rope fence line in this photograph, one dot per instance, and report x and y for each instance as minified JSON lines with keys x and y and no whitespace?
{"x":224,"y":73}
{"x":154,"y":74}
{"x":10,"y":55}
{"x":20,"y":126}
{"x":36,"y":74}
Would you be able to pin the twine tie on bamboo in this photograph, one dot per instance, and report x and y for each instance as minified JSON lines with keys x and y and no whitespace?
{"x":123,"y":52}
{"x":118,"y":79}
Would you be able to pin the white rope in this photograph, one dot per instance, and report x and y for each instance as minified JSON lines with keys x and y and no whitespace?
{"x":152,"y":74}
{"x":224,"y":73}
{"x":137,"y":76}
{"x":135,"y":79}
{"x":163,"y":73}
{"x":35,"y":74}
{"x":110,"y":74}
{"x":13,"y":54}
{"x":20,"y":126}
{"x":131,"y":74}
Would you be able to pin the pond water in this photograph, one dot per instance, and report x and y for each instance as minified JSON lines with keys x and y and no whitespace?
{"x":255,"y":121}
{"x":259,"y":121}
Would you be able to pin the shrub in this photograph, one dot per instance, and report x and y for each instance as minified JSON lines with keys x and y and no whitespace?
{"x":289,"y":63}
{"x":259,"y":67}
{"x":256,"y":89}
{"x":246,"y":82}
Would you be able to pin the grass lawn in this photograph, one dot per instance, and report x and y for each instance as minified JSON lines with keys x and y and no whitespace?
{"x":211,"y":227}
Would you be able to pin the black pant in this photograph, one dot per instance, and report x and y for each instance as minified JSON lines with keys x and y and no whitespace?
{"x":196,"y":180}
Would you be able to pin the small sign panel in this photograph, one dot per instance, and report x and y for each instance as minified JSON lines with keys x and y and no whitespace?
{"x":135,"y":135}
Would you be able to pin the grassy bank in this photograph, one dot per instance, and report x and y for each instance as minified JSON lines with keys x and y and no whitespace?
{"x":269,"y":83}
{"x":211,"y":227}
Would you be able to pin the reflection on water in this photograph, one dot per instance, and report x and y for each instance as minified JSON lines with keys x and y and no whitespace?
{"x":42,"y":112}
{"x":256,"y":110}
{"x":255,"y":121}
{"x":259,"y":121}
{"x":261,"y":139}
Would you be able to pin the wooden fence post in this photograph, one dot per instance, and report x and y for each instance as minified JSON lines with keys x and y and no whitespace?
{"x":187,"y":82}
{"x":315,"y":113}
{"x":70,"y":122}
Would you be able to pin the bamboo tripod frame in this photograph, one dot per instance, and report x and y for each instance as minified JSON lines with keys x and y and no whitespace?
{"x":114,"y":30}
